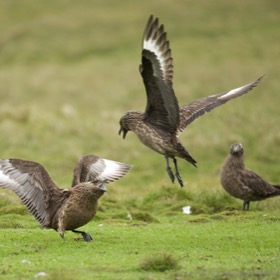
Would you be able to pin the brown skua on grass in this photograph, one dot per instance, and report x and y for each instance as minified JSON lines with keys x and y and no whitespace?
{"x":61,"y":209}
{"x":244,"y":183}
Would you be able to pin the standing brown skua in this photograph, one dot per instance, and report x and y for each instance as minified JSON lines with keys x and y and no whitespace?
{"x":61,"y":209}
{"x":160,"y":125}
{"x":243,"y":183}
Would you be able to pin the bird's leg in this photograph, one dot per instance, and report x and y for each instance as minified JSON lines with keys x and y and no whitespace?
{"x":169,"y":171}
{"x":177,"y":173}
{"x":85,"y":235}
{"x":246,"y":204}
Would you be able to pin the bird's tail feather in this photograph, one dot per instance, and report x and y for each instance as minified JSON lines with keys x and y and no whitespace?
{"x":190,"y":159}
{"x":183,"y":153}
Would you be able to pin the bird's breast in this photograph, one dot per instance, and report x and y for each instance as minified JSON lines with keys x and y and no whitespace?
{"x":75,"y":218}
{"x":156,"y":140}
{"x":77,"y":212}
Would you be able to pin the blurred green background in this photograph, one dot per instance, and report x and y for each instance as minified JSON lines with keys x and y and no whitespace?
{"x":69,"y":70}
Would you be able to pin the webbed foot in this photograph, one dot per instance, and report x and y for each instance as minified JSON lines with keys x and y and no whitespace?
{"x":85,"y":235}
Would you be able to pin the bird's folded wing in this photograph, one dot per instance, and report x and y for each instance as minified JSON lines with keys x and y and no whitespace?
{"x":256,"y":184}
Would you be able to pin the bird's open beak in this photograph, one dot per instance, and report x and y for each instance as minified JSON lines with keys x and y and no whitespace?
{"x":124,"y":131}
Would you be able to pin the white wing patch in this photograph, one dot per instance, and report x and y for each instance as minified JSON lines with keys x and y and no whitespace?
{"x":240,"y":90}
{"x":108,"y":170}
{"x":160,"y":50}
{"x":155,"y":41}
{"x":7,"y":183}
{"x":112,"y":168}
{"x":232,"y":92}
{"x":27,"y":189}
{"x":153,"y":46}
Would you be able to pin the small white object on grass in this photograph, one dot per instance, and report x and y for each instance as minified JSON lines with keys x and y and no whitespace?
{"x":129,"y":216}
{"x":41,"y":274}
{"x":187,"y":210}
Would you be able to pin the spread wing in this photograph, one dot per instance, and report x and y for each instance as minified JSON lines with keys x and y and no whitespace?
{"x":190,"y":112}
{"x":94,"y":168}
{"x":32,"y":183}
{"x":257,"y":185}
{"x":162,"y":108}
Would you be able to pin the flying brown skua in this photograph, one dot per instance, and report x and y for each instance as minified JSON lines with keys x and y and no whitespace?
{"x":160,"y":125}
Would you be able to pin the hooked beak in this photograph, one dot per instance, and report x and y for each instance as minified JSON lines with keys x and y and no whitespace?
{"x":124,"y":131}
{"x":102,"y":186}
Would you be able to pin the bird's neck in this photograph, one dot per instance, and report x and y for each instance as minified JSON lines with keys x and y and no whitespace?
{"x":236,"y":162}
{"x":87,"y":195}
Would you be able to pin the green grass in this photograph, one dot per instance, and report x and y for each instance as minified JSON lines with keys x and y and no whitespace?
{"x":235,"y":247}
{"x":69,"y":70}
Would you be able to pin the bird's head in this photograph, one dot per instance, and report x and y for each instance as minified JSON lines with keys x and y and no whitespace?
{"x":92,"y":189}
{"x":236,"y":149}
{"x":128,"y":121}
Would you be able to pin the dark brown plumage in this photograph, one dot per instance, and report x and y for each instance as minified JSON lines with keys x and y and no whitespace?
{"x":61,"y":209}
{"x":159,"y":126}
{"x":243,"y":183}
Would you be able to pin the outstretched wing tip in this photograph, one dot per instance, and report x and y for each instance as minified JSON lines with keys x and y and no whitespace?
{"x":256,"y":82}
{"x":95,"y":168}
{"x":240,"y":90}
{"x":197,"y":108}
{"x":115,"y":170}
{"x":156,"y":48}
{"x":25,"y":178}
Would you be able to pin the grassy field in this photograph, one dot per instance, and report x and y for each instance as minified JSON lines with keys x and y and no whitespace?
{"x":69,"y":70}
